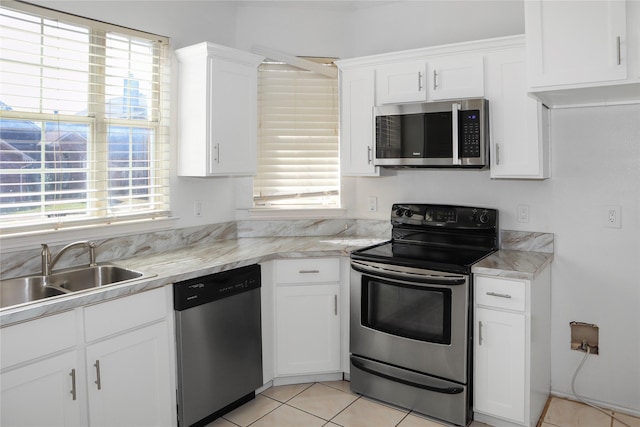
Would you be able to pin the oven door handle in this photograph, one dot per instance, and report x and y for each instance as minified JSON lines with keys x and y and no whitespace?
{"x":361,"y":364}
{"x":407,"y":273}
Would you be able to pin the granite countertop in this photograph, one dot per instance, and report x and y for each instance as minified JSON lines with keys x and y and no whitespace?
{"x":513,"y":264}
{"x":200,"y":260}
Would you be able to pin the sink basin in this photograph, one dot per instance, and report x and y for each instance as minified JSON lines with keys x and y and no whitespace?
{"x":35,"y":287}
{"x":25,"y":289}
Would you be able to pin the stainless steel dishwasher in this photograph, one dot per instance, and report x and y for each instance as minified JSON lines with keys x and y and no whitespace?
{"x":219,"y":343}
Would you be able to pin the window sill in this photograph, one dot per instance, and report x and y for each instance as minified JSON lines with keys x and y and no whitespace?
{"x":280,"y":213}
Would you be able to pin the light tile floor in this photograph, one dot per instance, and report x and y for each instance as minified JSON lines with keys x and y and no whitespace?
{"x":332,"y":404}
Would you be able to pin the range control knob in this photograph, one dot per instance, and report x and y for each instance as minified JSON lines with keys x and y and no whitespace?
{"x":399,"y":212}
{"x":408,"y":213}
{"x":484,"y":217}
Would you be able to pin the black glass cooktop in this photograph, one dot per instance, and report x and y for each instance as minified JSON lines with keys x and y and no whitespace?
{"x":431,"y":257}
{"x":436,"y":237}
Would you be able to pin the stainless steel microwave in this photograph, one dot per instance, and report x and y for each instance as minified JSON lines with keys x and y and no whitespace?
{"x":433,"y":134}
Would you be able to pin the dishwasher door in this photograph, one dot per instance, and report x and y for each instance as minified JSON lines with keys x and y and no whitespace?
{"x":219,"y":356}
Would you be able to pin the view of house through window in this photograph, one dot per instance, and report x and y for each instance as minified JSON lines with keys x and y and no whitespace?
{"x":298,"y":163}
{"x":82,"y":121}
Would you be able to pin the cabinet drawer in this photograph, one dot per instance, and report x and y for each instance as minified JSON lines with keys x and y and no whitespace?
{"x":37,"y":338}
{"x":308,"y":270}
{"x":111,"y":317}
{"x":500,"y":293}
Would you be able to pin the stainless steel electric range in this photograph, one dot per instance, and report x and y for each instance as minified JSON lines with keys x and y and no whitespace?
{"x":411,"y":337}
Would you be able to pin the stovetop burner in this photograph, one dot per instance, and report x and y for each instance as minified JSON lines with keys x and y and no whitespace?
{"x":436,"y":237}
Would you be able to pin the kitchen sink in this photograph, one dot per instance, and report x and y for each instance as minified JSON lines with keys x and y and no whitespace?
{"x":26,"y":289}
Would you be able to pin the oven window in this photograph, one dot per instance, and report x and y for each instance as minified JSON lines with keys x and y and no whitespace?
{"x":416,"y":312}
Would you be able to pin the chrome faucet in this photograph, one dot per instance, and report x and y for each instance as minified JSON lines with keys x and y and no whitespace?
{"x":48,"y":262}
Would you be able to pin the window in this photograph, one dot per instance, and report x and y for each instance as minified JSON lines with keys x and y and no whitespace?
{"x":83,"y":121}
{"x":298,"y":163}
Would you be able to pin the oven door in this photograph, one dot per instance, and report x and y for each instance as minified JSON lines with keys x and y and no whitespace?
{"x":410,"y":318}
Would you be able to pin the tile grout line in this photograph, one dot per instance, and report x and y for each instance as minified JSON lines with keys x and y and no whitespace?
{"x":261,"y":417}
{"x":344,"y":409}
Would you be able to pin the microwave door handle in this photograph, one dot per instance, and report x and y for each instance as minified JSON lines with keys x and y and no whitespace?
{"x":455,"y":109}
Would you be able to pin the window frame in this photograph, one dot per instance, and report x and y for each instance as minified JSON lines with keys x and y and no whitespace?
{"x":267,"y":205}
{"x":159,"y":153}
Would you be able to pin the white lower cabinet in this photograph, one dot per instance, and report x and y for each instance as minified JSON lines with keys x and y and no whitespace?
{"x":512,"y":376}
{"x":128,"y":379}
{"x":307,"y":316}
{"x":43,"y":393}
{"x":120,"y":373}
{"x":499,"y":357}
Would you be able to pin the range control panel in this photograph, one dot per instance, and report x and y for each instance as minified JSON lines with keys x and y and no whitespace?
{"x":443,"y":216}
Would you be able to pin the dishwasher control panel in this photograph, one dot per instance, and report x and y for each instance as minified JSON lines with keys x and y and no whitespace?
{"x":201,"y":290}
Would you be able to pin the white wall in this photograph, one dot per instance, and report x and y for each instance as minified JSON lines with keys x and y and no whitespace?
{"x":596,"y":162}
{"x":415,"y":24}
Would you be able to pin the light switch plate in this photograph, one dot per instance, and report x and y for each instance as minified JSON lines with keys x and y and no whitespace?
{"x":373,"y":203}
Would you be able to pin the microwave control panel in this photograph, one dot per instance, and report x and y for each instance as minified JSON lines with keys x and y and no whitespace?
{"x":469,"y":129}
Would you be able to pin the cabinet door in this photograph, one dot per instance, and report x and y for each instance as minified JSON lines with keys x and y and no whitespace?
{"x":356,"y":123}
{"x":519,"y":123}
{"x":44,"y":393}
{"x":499,"y":364}
{"x":455,"y":77}
{"x":217,"y":108}
{"x":401,"y":82}
{"x":575,"y":42}
{"x":307,"y":329}
{"x":232,"y":118}
{"x":129,"y":379}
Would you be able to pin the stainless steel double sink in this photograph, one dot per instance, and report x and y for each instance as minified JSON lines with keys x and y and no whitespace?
{"x":31,"y":288}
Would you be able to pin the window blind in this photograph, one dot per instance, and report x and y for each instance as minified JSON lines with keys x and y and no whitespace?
{"x":298,"y":163}
{"x":83,"y":121}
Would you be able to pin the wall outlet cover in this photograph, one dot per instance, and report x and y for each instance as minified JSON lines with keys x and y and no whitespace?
{"x":612,"y":216}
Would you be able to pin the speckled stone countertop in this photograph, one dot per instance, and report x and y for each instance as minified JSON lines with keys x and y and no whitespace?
{"x":513,"y":264}
{"x":190,"y":262}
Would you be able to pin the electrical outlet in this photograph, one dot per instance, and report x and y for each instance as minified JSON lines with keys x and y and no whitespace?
{"x":197,"y":208}
{"x":612,"y":217}
{"x":585,"y":336}
{"x":523,"y":213}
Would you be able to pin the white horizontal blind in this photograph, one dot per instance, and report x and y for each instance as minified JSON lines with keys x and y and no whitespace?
{"x":298,"y":163}
{"x":83,"y":121}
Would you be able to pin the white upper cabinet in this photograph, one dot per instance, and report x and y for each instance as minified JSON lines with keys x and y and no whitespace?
{"x":217,"y":107}
{"x":356,"y":123}
{"x":573,"y":45}
{"x":437,"y":78}
{"x":519,"y":123}
{"x":401,"y":82}
{"x":454,"y":77}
